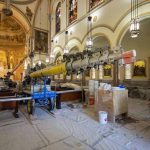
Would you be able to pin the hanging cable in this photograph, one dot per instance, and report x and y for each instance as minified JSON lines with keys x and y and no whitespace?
{"x":40,"y":48}
{"x":134,"y":25}
{"x":47,"y":55}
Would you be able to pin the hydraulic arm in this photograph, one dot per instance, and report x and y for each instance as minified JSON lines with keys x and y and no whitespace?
{"x":74,"y":63}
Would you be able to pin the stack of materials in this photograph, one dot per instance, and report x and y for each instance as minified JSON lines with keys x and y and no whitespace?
{"x":93,"y":86}
{"x":113,"y":101}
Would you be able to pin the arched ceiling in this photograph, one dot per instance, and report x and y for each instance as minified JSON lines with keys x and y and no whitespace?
{"x":11,"y":32}
{"x":100,"y":41}
{"x":21,"y":2}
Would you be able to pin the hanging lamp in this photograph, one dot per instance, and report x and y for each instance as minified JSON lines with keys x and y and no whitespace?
{"x":134,"y":24}
{"x":66,"y":50}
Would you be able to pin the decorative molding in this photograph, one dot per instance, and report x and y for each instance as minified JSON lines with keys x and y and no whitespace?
{"x":96,"y":35}
{"x":102,"y":25}
{"x":74,"y":38}
{"x":57,"y":46}
{"x":25,"y":2}
{"x":35,"y":14}
{"x":126,"y":26}
{"x":81,"y":18}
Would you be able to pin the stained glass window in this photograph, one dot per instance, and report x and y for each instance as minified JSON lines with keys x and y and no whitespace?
{"x":72,"y":10}
{"x":94,"y":3}
{"x":58,"y":17}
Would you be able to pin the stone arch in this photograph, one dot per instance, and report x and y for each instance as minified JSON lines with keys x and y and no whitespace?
{"x":74,"y":50}
{"x":74,"y":43}
{"x":99,"y":31}
{"x":19,"y":16}
{"x":57,"y":50}
{"x":42,"y":62}
{"x":100,"y":40}
{"x":58,"y":58}
{"x":123,"y":26}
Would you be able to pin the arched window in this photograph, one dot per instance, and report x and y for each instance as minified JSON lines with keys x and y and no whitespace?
{"x":58,"y":15}
{"x":72,"y":10}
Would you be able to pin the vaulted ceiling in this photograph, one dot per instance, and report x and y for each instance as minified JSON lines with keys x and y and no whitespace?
{"x":11,"y":32}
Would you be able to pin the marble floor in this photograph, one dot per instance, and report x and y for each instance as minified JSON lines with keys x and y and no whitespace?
{"x":74,"y":129}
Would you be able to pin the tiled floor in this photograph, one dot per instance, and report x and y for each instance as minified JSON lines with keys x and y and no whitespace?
{"x":74,"y":129}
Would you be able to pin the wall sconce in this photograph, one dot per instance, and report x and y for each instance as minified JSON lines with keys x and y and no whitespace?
{"x":70,"y":32}
{"x":94,"y":18}
{"x":56,"y":40}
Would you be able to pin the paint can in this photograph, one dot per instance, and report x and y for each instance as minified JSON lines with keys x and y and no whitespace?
{"x":103,"y":117}
{"x":91,"y":100}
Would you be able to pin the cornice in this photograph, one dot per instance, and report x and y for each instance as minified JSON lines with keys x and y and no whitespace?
{"x":23,"y":2}
{"x":83,"y":17}
{"x":102,"y":25}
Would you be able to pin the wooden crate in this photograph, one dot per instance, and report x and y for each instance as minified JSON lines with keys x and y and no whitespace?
{"x":114,"y":103}
{"x":7,"y":94}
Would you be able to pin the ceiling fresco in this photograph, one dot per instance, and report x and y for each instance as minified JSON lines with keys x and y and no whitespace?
{"x":21,"y":2}
{"x":10,"y":31}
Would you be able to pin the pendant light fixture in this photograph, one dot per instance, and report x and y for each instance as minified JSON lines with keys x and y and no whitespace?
{"x":39,"y":62}
{"x":51,"y":55}
{"x":47,"y":55}
{"x":134,"y":24}
{"x":89,"y":41}
{"x":66,"y":50}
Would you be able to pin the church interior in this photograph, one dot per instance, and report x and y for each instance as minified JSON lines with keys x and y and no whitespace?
{"x":74,"y":74}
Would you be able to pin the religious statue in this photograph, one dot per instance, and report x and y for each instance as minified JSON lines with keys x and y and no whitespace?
{"x":29,"y":13}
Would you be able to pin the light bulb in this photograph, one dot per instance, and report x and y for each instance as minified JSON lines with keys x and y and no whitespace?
{"x":39,"y":62}
{"x":89,"y":42}
{"x":66,"y":50}
{"x":47,"y":59}
{"x":25,"y":65}
{"x":134,"y":28}
{"x":51,"y":56}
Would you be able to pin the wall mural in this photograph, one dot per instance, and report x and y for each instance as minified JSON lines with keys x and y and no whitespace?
{"x":139,"y":69}
{"x":58,"y":16}
{"x":10,"y":31}
{"x":41,"y":41}
{"x":72,"y":10}
{"x":107,"y":70}
{"x":94,"y":3}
